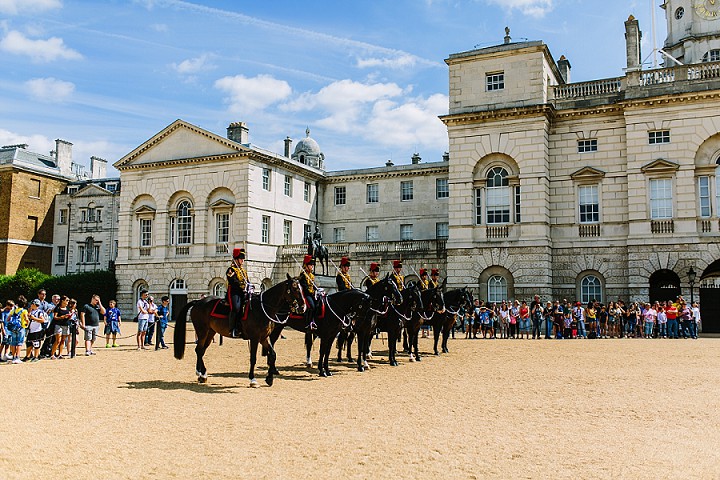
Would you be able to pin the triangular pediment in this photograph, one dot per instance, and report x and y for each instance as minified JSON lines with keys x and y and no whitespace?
{"x":145,"y":210}
{"x":660,"y":165}
{"x":222,"y":203}
{"x":176,"y":142}
{"x":91,"y":190}
{"x":587,"y":173}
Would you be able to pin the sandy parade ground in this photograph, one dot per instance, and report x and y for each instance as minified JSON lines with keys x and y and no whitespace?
{"x":622,"y":408}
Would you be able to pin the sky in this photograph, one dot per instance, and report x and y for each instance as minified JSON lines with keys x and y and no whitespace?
{"x":367,"y":78}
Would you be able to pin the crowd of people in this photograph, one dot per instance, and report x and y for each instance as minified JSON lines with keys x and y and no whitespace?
{"x":51,"y":329}
{"x":566,"y":320}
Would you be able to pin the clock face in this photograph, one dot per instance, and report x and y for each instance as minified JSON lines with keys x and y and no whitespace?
{"x":708,"y":9}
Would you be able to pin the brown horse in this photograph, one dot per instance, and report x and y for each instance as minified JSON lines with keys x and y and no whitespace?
{"x":264,"y":310}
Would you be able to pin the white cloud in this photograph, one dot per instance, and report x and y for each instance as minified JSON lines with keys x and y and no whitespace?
{"x":344,"y":102}
{"x":36,"y":143}
{"x":397,"y":62}
{"x":13,"y":7}
{"x":49,"y":89}
{"x":193,"y":65}
{"x":248,"y":95}
{"x":534,"y":8}
{"x":38,"y":50}
{"x":160,"y":27}
{"x":413,"y":123}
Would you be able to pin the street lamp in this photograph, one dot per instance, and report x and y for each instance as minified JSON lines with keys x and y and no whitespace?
{"x":691,"y":279}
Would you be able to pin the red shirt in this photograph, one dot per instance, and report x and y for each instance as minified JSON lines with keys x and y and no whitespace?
{"x":671,"y":312}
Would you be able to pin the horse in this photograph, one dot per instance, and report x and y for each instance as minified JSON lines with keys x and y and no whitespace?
{"x":382,"y":294}
{"x":393,"y":322}
{"x":262,"y":312}
{"x":444,"y":322}
{"x":320,"y":254}
{"x":434,"y":305}
{"x":337,"y":311}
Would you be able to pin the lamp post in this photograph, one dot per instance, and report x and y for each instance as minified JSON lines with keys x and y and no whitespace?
{"x":691,"y":279}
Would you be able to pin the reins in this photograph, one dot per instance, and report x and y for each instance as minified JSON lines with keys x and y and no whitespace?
{"x":276,"y":319}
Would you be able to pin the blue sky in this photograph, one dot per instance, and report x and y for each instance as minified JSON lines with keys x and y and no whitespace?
{"x":368,"y":78}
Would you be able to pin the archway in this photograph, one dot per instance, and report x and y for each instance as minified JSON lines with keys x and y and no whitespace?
{"x":710,"y":298}
{"x":664,"y":286}
{"x":178,"y":296}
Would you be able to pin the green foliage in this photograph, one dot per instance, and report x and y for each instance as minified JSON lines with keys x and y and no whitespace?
{"x":80,"y":286}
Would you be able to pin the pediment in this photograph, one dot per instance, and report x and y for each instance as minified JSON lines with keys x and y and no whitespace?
{"x":222,"y":203}
{"x":660,"y":165}
{"x":176,"y":142}
{"x":145,"y":210}
{"x":91,"y":190}
{"x":587,"y":173}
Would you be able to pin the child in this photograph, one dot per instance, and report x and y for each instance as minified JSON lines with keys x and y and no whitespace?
{"x":36,"y":333}
{"x":112,"y":323}
{"x":568,"y":332}
{"x":17,"y":323}
{"x":5,"y":348}
{"x":163,"y":312}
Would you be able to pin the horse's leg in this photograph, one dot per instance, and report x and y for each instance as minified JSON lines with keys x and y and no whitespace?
{"x":342,"y":338}
{"x":436,"y":337}
{"x":416,"y":335}
{"x":308,"y":349}
{"x":321,"y":357}
{"x":271,"y":356}
{"x":274,"y":335}
{"x":392,"y":347}
{"x":202,"y":345}
{"x":351,"y":337}
{"x":326,"y":357}
{"x":360,"y":338}
{"x":406,"y":343}
{"x":445,"y":336}
{"x":253,"y":360}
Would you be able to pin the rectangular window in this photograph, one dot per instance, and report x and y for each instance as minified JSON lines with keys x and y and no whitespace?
{"x":589,"y":204}
{"x":222,"y":221}
{"x":71,"y":190}
{"x":83,"y":216}
{"x":713,"y":55}
{"x":96,"y":254}
{"x":145,"y":232}
{"x":306,"y":192}
{"x":658,"y":136}
{"x":266,"y":179}
{"x":287,"y":232}
{"x":704,"y":188}
{"x":81,"y":254}
{"x":406,"y":232}
{"x":33,"y":221}
{"x":98,"y":215}
{"x":442,"y":230}
{"x":495,"y":81}
{"x":90,"y":214}
{"x":372,"y":234}
{"x":406,"y":191}
{"x":288,"y":186}
{"x":340,"y":195}
{"x":585,"y":146}
{"x":60,"y":255}
{"x":661,"y":198}
{"x":497,"y":204}
{"x":63,"y":216}
{"x":34,"y":188}
{"x":339,"y":234}
{"x":517,"y":203}
{"x":373,"y":195}
{"x":306,"y":232}
{"x":111,"y":187}
{"x":265,"y":231}
{"x":478,"y":206}
{"x":442,"y":190}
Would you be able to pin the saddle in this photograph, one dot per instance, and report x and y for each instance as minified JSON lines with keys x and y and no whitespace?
{"x":320,"y":316}
{"x":221,"y":309}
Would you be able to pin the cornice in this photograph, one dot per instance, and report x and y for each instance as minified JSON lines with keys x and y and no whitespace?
{"x":669,"y":99}
{"x":469,"y":118}
{"x":585,"y":112}
{"x":382,"y":175}
{"x":184,"y":161}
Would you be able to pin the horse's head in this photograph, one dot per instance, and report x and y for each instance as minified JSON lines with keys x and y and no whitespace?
{"x":434,"y":300}
{"x":292,"y":294}
{"x":393,"y":293}
{"x":412,"y":296}
{"x":468,"y":300}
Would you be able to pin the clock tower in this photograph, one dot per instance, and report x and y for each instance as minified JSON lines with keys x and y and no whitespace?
{"x":693,"y":30}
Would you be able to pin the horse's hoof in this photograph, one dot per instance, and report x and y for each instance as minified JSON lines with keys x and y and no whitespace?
{"x":351,"y":360}
{"x":339,"y":359}
{"x":308,"y":364}
{"x":328,"y":373}
{"x":394,"y":363}
{"x":202,"y":379}
{"x":361,"y":368}
{"x":445,"y":350}
{"x":418,"y":358}
{"x":366,"y":364}
{"x":269,"y":380}
{"x":437,"y":354}
{"x":254,"y":383}
{"x":275,"y":371}
{"x":412,"y":359}
{"x":322,"y":374}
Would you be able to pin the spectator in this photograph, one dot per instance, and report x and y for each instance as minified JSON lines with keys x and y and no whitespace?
{"x":558,"y":319}
{"x":61,"y":330}
{"x":661,"y":321}
{"x":5,"y":347}
{"x":514,"y":318}
{"x":525,"y":320}
{"x":112,"y":323}
{"x":548,"y":313}
{"x":579,"y":315}
{"x":536,"y":311}
{"x":37,"y":317}
{"x":696,"y":322}
{"x":672,"y":323}
{"x":152,"y":311}
{"x":649,"y":317}
{"x":17,"y":323}
{"x":90,"y":322}
{"x":143,"y":316}
{"x":504,"y":319}
{"x":163,"y":313}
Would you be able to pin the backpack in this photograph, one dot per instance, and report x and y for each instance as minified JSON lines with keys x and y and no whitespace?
{"x":14,"y":324}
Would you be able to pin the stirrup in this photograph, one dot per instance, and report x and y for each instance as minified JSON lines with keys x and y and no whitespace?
{"x":312,"y":325}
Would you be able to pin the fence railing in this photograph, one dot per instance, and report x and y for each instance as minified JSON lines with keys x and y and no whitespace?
{"x":502,"y":231}
{"x":588,"y":89}
{"x":371,"y":248}
{"x":589,"y":230}
{"x":662,"y":226}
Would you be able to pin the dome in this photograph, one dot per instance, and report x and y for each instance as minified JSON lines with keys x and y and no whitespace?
{"x":307,"y":145}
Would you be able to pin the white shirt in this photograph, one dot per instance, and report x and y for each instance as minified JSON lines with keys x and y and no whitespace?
{"x":696,"y":314}
{"x":142,"y":304}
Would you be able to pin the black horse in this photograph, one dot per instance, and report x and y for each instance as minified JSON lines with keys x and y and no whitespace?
{"x":263,"y":312}
{"x":319,"y":253}
{"x":383,"y":294}
{"x":445,"y":322}
{"x":433,"y":305}
{"x":338,"y":311}
{"x":394,"y":321}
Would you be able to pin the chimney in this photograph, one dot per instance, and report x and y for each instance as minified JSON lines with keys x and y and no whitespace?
{"x":446,"y":157}
{"x":288,"y":144}
{"x":63,"y":157}
{"x":238,"y":132}
{"x":507,"y":38}
{"x":98,"y":168}
{"x":416,"y":158}
{"x":564,"y":67}
{"x":633,"y":35}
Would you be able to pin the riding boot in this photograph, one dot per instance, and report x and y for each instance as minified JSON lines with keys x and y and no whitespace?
{"x":233,"y":324}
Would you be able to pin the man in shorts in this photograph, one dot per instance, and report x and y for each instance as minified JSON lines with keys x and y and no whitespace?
{"x":90,"y":322}
{"x":143,"y":308}
{"x":5,"y":348}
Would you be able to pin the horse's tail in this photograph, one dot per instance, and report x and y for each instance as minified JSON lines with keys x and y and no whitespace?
{"x":181,"y":330}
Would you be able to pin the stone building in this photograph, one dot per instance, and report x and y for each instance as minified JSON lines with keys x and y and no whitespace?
{"x":28,"y":184}
{"x":86,"y":223}
{"x":600,"y":189}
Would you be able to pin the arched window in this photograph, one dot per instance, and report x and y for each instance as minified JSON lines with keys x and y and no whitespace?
{"x":90,"y":250}
{"x":140,"y":285}
{"x":219,"y":290}
{"x":497,"y":196}
{"x":590,"y":289}
{"x":181,"y":225}
{"x":497,"y":289}
{"x":178,"y":285}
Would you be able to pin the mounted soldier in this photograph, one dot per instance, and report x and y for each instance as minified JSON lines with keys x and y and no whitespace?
{"x":373,"y":277}
{"x":237,"y":285}
{"x":423,"y":284}
{"x":343,"y":277}
{"x":434,"y":278}
{"x":307,"y":282}
{"x":397,"y":275}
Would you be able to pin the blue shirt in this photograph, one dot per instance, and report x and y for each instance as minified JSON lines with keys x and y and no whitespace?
{"x":112,"y":315}
{"x":163,"y":313}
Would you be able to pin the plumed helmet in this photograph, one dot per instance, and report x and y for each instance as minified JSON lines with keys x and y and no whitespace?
{"x":374,"y":267}
{"x":239,"y":253}
{"x":397,"y":263}
{"x":345,"y":262}
{"x":308,"y":260}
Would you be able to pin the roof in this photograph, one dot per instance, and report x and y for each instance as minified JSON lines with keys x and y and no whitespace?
{"x":19,"y":157}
